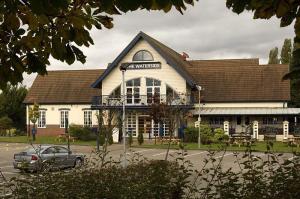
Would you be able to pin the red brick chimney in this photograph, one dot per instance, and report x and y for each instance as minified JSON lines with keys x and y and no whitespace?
{"x":185,"y":56}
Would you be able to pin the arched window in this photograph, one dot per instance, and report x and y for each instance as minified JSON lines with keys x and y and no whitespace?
{"x":142,"y":55}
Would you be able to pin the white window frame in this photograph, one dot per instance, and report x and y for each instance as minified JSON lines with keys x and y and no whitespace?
{"x":42,"y":119}
{"x":87,"y":118}
{"x":135,"y":95}
{"x":131,"y":124}
{"x":63,"y":115}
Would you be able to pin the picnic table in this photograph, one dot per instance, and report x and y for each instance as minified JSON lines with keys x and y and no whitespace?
{"x":240,"y":139}
{"x":64,"y":137}
{"x":294,"y":140}
{"x":166,"y":139}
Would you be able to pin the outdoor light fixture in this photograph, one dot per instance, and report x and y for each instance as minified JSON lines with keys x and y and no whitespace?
{"x":199,"y":88}
{"x":123,"y":68}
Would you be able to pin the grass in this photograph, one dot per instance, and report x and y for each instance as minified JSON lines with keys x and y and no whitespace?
{"x":44,"y":140}
{"x":257,"y":146}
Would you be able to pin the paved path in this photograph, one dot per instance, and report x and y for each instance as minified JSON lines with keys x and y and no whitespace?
{"x":197,"y":157}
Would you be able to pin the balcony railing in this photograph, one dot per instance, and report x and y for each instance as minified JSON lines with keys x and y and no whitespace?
{"x":141,"y":100}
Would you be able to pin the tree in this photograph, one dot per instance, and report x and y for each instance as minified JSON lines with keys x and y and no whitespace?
{"x":140,"y":138}
{"x":33,"y":30}
{"x":5,"y":123}
{"x":286,"y":11}
{"x":273,"y":56}
{"x":295,"y":87}
{"x":286,"y":52}
{"x":169,"y":111}
{"x":11,"y":105}
{"x":34,"y":116}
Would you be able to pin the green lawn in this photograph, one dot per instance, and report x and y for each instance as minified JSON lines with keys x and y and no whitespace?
{"x":258,"y":146}
{"x":43,"y":140}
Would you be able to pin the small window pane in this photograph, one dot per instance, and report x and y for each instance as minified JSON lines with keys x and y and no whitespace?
{"x":149,"y":82}
{"x":147,"y":56}
{"x":156,"y":83}
{"x":136,"y":82}
{"x":129,"y":83}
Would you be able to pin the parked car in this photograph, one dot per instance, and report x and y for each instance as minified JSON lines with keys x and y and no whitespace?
{"x":47,"y":158}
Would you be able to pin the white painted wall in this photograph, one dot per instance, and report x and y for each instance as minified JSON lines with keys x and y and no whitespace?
{"x":76,"y":113}
{"x":167,"y":74}
{"x":243,"y":105}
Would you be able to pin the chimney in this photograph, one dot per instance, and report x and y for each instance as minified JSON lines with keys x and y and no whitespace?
{"x":185,"y":56}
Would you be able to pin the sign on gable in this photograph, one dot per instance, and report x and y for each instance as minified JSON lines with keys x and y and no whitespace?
{"x":143,"y":65}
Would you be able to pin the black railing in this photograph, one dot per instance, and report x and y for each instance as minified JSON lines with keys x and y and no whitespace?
{"x":294,"y":129}
{"x":270,"y":130}
{"x":141,"y":100}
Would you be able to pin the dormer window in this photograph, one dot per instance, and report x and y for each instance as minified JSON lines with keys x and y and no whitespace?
{"x":143,"y":55}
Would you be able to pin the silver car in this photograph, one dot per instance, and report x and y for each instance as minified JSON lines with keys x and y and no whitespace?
{"x":47,"y":158}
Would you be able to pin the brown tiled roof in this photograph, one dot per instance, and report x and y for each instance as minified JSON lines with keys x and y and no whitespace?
{"x":66,"y":87}
{"x":240,"y":80}
{"x":227,"y":62}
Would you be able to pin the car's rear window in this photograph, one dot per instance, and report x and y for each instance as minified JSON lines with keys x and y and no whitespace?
{"x":35,"y":150}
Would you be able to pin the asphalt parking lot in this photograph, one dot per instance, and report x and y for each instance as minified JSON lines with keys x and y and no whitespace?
{"x":195,"y":156}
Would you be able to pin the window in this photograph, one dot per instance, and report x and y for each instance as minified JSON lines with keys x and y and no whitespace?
{"x":50,"y":150}
{"x":42,"y":119}
{"x":270,"y":120}
{"x":153,"y":90}
{"x":216,"y":120}
{"x":172,"y":96}
{"x":133,"y":91}
{"x":247,"y":120}
{"x":160,"y":129}
{"x":116,"y":93}
{"x":64,"y":119}
{"x":143,"y":55}
{"x":61,"y":150}
{"x":88,"y":118}
{"x":238,"y":120}
{"x":131,"y":124}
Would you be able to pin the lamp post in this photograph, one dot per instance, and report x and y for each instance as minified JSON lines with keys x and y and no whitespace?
{"x":123,"y":70}
{"x":199,"y":118}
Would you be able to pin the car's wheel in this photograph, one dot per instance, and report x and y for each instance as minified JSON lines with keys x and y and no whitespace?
{"x":78,"y":163}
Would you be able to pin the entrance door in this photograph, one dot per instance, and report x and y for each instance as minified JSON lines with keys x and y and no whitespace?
{"x":145,"y":126}
{"x":240,"y":124}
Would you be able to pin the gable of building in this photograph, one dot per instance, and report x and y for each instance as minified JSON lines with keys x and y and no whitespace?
{"x":173,"y":58}
{"x":64,"y":87}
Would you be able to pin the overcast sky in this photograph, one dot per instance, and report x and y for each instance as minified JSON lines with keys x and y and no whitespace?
{"x":206,"y":31}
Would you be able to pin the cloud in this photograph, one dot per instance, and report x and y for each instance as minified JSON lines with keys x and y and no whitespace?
{"x":207,"y":30}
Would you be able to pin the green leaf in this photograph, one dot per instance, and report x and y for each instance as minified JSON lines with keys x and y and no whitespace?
{"x":79,"y":54}
{"x":283,"y":8}
{"x":70,"y":57}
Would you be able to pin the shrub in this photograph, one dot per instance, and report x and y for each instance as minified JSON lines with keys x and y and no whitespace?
{"x":191,"y":134}
{"x":140,"y":138}
{"x":20,"y":132}
{"x":82,"y":133}
{"x":220,"y":136}
{"x":130,"y":139}
{"x":144,"y":179}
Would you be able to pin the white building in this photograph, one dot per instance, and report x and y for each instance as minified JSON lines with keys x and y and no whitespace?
{"x":237,"y":94}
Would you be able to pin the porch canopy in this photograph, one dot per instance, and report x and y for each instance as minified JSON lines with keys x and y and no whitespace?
{"x":247,"y":111}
